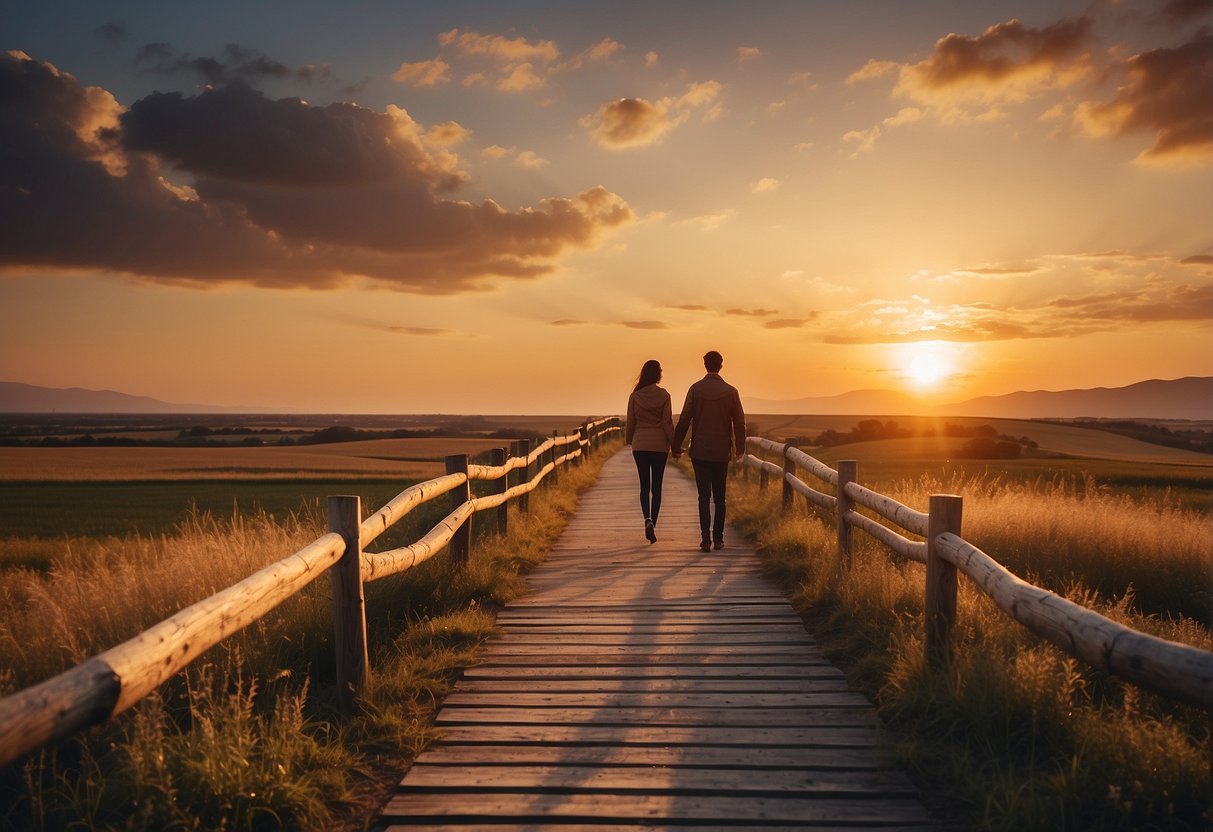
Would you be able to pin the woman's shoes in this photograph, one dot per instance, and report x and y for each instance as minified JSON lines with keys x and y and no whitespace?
{"x":705,"y":545}
{"x":649,"y":531}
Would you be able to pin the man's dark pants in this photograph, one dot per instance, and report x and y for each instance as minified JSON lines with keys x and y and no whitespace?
{"x":709,"y":481}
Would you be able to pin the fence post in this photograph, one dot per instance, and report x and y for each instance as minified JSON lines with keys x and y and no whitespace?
{"x":349,"y":601}
{"x":555,"y":467}
{"x":789,"y":467}
{"x":848,"y":472}
{"x":583,"y":442}
{"x":500,"y":486}
{"x":940,"y":605}
{"x":524,"y":451}
{"x":461,"y":541}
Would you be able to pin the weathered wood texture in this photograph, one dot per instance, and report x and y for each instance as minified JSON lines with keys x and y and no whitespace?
{"x":655,"y":686}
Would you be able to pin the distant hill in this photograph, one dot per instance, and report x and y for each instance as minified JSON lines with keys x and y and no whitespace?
{"x":1185,"y":398}
{"x":27,"y":398}
{"x":1182,"y":398}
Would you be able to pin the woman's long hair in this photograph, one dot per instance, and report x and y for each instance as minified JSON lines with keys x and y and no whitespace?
{"x":650,"y":373}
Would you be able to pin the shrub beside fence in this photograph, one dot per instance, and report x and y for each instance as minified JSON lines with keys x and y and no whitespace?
{"x":113,"y":681}
{"x":1177,"y":671}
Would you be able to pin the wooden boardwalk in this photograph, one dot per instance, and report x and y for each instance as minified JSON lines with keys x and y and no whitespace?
{"x":644,"y":686}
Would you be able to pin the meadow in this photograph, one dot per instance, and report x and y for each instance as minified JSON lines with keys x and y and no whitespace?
{"x":1015,"y":737}
{"x":248,"y":737}
{"x":1015,"y":734}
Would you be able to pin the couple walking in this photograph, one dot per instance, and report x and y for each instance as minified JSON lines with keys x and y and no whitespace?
{"x":713,"y":415}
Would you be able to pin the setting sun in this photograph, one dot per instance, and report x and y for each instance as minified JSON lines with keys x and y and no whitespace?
{"x":925,"y":365}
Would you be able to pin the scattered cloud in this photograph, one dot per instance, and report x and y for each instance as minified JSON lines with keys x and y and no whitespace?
{"x":752,"y":313}
{"x":1128,"y":290}
{"x":651,"y":60}
{"x":635,"y":122}
{"x":688,"y":307}
{"x":417,"y":330}
{"x":522,"y":158}
{"x":530,"y":159}
{"x":645,"y":324}
{"x":1198,"y":260}
{"x":709,"y":222}
{"x":511,"y":65}
{"x":763,"y":185}
{"x":745,"y":54}
{"x":280,"y":193}
{"x":802,"y":79}
{"x":863,"y":140}
{"x":569,"y":322}
{"x":113,"y":33}
{"x":1166,"y":93}
{"x":429,"y":73}
{"x":236,"y":63}
{"x":785,"y":323}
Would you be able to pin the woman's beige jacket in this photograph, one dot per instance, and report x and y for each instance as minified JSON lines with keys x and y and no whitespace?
{"x":650,"y":422}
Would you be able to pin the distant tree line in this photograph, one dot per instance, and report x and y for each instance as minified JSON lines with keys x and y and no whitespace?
{"x":1188,"y":439}
{"x":984,"y":441}
{"x":201,"y":436}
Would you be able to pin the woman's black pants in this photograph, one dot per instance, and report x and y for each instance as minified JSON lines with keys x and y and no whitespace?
{"x":650,"y":465}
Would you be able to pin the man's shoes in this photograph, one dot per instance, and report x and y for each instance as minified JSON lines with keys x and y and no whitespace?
{"x":705,"y":545}
{"x":649,"y":531}
{"x":719,"y":543}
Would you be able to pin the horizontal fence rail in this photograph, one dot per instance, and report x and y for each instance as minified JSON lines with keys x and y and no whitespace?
{"x":1176,"y":671}
{"x":113,"y":681}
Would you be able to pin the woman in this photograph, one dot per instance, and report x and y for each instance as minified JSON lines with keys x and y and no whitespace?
{"x":650,"y":432}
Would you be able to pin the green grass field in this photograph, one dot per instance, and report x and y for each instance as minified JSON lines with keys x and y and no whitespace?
{"x":102,"y":509}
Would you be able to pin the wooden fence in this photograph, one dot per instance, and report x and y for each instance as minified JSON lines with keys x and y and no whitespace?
{"x":111,"y":682}
{"x":1176,"y":671}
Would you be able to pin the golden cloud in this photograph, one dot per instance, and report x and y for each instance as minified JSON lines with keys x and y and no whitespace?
{"x":634,"y":122}
{"x":1008,"y":62}
{"x":1167,"y":92}
{"x":423,"y":73}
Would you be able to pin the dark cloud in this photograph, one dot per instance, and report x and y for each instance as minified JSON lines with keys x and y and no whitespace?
{"x":688,"y":307}
{"x":1167,"y":93}
{"x":785,"y":323}
{"x":280,"y":193}
{"x":237,"y":63}
{"x":1198,"y":260}
{"x":1004,"y":51}
{"x":114,"y":33}
{"x":1007,"y":62}
{"x":645,"y":324}
{"x":1186,"y":11}
{"x":569,"y":322}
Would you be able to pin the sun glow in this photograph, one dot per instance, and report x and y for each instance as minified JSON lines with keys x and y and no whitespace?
{"x":925,"y":365}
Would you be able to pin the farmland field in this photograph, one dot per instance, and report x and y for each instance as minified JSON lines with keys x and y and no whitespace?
{"x":91,"y":492}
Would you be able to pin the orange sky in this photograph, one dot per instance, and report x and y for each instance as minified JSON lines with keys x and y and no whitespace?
{"x":483,"y":207}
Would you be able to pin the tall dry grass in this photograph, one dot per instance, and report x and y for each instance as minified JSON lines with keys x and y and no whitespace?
{"x":1016,"y":735}
{"x":248,"y":737}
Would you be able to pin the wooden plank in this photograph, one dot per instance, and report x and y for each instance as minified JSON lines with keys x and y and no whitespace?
{"x":628,"y":718}
{"x":749,"y":700}
{"x":736,"y":671}
{"x":748,"y":737}
{"x":869,"y":783}
{"x":684,"y":808}
{"x":500,"y":685}
{"x":651,"y":687}
{"x":640,"y":756}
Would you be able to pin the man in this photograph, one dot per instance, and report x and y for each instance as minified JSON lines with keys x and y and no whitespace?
{"x":713,"y":414}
